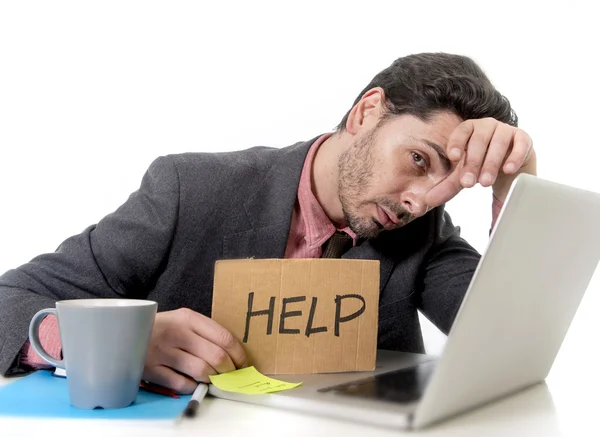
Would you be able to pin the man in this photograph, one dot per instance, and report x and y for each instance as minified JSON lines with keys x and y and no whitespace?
{"x":423,"y":129}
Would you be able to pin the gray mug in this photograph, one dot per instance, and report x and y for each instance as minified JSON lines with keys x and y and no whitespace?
{"x":104,"y":346}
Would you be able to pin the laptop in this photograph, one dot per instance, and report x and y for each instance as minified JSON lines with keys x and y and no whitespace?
{"x":523,"y":296}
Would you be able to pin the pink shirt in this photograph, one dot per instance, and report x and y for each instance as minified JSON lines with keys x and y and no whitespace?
{"x":309,"y":230}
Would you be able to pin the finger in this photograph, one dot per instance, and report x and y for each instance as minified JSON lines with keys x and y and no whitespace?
{"x":184,"y":337}
{"x":476,"y":150}
{"x":446,"y":189}
{"x":497,"y":150}
{"x":459,"y":138}
{"x":522,"y":145}
{"x":216,"y":357}
{"x":188,"y":364}
{"x":216,"y":334}
{"x":166,"y":377}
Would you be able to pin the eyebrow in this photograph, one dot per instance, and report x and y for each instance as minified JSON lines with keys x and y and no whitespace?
{"x":439,"y":150}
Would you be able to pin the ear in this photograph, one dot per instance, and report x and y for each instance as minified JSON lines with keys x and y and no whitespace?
{"x":367,"y":112}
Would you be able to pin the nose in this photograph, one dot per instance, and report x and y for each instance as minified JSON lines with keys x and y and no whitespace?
{"x":414,"y":203}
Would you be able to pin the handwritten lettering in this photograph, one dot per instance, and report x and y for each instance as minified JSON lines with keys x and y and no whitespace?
{"x":270,"y":312}
{"x":286,"y":314}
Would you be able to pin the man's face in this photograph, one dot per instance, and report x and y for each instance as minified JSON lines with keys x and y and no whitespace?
{"x":387,"y":171}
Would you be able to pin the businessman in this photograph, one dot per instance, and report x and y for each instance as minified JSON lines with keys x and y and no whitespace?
{"x":423,"y":129}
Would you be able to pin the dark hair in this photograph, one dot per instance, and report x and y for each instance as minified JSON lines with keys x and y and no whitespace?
{"x":422,"y":84}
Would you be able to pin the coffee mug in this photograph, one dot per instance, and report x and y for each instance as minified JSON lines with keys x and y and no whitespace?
{"x":104,"y":347}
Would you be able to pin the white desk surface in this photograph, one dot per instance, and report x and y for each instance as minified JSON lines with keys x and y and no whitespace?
{"x":568,"y":404}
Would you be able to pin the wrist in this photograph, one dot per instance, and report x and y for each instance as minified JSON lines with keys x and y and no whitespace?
{"x":504,"y":181}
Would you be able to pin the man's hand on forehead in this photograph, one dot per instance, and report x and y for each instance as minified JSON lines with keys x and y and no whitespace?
{"x":484,"y":150}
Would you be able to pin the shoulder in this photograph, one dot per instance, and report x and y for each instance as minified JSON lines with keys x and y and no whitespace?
{"x":242,"y":166}
{"x":252,"y":157}
{"x":232,"y":167}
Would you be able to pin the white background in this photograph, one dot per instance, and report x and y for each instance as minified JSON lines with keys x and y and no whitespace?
{"x":92,"y":92}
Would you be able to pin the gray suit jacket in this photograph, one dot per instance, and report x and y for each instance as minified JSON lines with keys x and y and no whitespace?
{"x":193,"y":209}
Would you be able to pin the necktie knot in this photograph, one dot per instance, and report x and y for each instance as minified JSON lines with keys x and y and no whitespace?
{"x":337,"y":245}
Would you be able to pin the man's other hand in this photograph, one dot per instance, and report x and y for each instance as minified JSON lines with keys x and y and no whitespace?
{"x":485,"y":151}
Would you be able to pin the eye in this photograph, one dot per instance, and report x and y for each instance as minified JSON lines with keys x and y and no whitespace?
{"x":419,"y":160}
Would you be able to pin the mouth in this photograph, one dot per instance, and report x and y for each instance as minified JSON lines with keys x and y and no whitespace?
{"x":387,"y":219}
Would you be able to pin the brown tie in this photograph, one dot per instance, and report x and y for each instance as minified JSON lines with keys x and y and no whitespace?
{"x":337,"y":245}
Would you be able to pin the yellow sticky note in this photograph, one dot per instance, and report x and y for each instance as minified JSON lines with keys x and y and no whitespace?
{"x":250,"y":381}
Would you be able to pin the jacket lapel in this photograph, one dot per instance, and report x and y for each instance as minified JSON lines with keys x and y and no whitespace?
{"x":367,"y":251}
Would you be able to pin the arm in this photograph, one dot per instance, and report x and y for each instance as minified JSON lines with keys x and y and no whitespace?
{"x":498,"y":153}
{"x":121,"y":256}
{"x":447,"y":274}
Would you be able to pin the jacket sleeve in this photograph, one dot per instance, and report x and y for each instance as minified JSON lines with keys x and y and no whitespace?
{"x":121,"y":256}
{"x":447,"y":273}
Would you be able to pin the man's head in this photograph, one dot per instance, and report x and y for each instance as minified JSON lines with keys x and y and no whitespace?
{"x":397,"y":132}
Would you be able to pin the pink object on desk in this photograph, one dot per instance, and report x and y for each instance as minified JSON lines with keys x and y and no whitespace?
{"x":50,"y":339}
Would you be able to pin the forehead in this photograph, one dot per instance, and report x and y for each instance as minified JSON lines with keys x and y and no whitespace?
{"x":409,"y":129}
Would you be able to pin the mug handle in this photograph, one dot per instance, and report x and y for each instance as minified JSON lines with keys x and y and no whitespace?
{"x":34,"y":337}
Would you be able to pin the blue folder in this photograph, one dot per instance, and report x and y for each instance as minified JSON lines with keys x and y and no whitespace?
{"x":41,"y":394}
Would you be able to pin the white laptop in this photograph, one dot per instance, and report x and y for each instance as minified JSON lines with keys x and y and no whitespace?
{"x":540,"y":259}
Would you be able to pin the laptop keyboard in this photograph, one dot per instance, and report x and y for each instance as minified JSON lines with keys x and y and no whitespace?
{"x":399,"y":386}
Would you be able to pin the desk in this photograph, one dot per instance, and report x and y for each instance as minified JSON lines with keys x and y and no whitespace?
{"x":566,"y":405}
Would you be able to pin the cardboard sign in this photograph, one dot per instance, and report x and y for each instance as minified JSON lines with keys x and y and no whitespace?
{"x":300,"y":315}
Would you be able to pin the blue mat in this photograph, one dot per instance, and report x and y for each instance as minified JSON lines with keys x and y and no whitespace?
{"x":42,"y":395}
